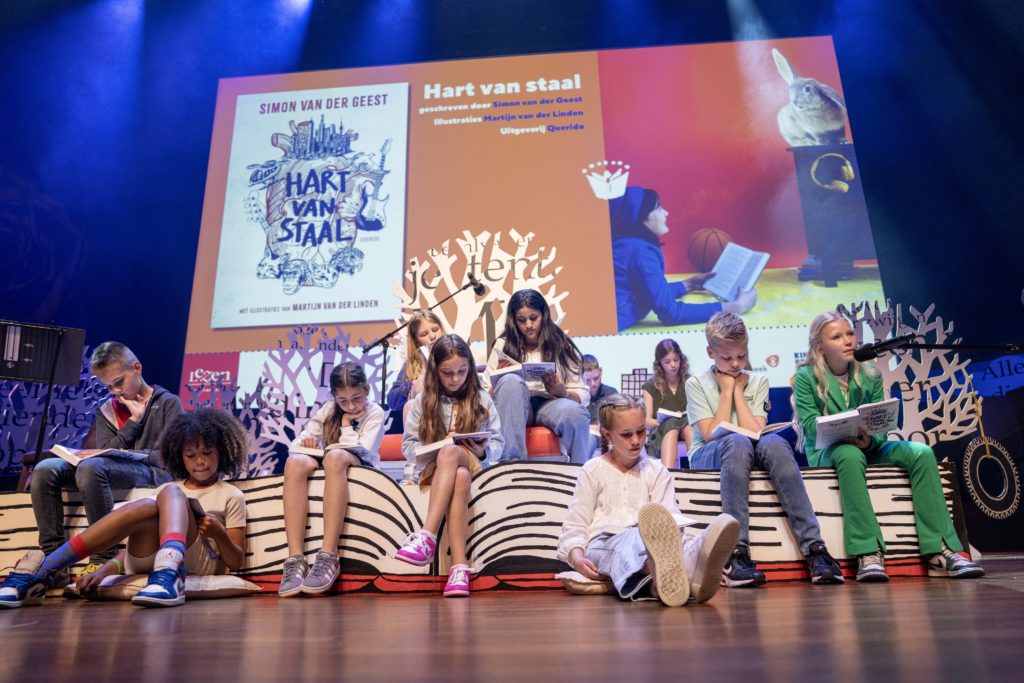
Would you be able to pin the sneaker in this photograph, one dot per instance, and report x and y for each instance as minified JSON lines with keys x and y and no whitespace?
{"x":166,"y":588}
{"x":458,"y":582}
{"x":953,"y":565}
{"x":292,"y":576}
{"x":713,"y":547}
{"x":871,"y":569}
{"x":741,"y":571}
{"x":417,"y":549}
{"x":824,"y":569}
{"x":321,"y":576}
{"x":71,"y":591}
{"x":661,"y":536}
{"x":22,"y":586}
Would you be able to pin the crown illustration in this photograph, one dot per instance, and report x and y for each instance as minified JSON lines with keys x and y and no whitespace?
{"x":607,"y":178}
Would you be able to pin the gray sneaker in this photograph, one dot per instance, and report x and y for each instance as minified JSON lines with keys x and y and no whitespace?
{"x":322,"y":574}
{"x":294,"y":572}
{"x":871,"y":568}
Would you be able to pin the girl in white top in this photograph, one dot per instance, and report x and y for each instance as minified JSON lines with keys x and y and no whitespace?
{"x":559,"y":401}
{"x":624,"y":523}
{"x":452,"y":402}
{"x":351,"y":417}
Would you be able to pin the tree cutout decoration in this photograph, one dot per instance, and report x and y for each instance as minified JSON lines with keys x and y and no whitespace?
{"x":938,"y":397}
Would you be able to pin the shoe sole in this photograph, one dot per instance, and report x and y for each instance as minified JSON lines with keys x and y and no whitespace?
{"x":153,"y":601}
{"x":720,"y":538}
{"x":415,"y":563}
{"x":830,"y":579}
{"x":291,"y":592}
{"x":873,"y":577}
{"x":14,"y":604}
{"x":740,"y":583}
{"x":459,"y":593}
{"x":317,"y":590}
{"x":941,"y":573}
{"x":661,"y":537}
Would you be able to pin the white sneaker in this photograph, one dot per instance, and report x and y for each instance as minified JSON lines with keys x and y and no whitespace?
{"x":707,"y":553}
{"x":661,"y":536}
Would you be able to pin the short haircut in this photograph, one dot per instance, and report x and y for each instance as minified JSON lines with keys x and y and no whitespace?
{"x":112,"y":353}
{"x":590,"y":363}
{"x":725,"y":327}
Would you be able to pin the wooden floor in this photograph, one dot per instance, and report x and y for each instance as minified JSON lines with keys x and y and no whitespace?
{"x":909,"y":630}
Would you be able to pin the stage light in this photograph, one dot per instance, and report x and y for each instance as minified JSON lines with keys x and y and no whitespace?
{"x":748,"y":23}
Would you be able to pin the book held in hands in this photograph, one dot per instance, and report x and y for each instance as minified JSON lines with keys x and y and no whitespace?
{"x":665,"y":414}
{"x":726,"y":428}
{"x":737,"y":268}
{"x":427,"y":453}
{"x":873,"y":418}
{"x":349,"y":442}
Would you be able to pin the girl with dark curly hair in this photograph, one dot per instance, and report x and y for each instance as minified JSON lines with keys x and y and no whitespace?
{"x":167,"y":533}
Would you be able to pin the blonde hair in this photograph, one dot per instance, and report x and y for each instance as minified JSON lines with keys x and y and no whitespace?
{"x":816,"y":357}
{"x":414,"y":363}
{"x":610,"y":407}
{"x":725,"y":327}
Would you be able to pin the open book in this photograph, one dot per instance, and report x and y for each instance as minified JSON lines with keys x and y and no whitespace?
{"x":75,"y":456}
{"x":873,"y":418}
{"x":427,"y":453}
{"x":726,"y":428}
{"x":349,"y":442}
{"x":530,"y":372}
{"x":665,"y":414}
{"x":737,"y":268}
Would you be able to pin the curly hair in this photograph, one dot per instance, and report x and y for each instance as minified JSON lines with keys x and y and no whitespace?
{"x":211,"y":427}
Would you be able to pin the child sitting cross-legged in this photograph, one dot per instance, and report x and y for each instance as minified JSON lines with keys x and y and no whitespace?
{"x":624,"y":523}
{"x":165,"y":537}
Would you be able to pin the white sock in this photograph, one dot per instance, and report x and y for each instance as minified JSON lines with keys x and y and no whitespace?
{"x":168,"y":558}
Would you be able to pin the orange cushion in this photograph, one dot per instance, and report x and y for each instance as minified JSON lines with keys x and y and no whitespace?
{"x":540,"y":441}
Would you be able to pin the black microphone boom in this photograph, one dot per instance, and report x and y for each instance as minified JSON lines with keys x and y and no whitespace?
{"x":872,"y":351}
{"x":478,"y":287}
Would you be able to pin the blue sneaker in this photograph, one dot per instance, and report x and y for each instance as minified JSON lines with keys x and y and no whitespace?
{"x":22,"y":586}
{"x":166,"y":588}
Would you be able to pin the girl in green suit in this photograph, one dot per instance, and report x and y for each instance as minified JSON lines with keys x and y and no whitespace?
{"x":831,"y":381}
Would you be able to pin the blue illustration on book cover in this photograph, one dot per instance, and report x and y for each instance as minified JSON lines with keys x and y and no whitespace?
{"x":314,"y":233}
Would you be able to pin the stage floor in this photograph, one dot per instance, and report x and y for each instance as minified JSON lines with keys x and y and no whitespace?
{"x":908,"y":630}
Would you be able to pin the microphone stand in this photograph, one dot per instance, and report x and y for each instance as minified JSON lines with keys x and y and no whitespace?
{"x":1006,"y":348}
{"x":383,"y":343}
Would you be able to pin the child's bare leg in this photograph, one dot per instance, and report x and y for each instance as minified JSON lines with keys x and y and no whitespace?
{"x":297,"y":469}
{"x":336,"y":464}
{"x":670,"y":449}
{"x":123,"y":522}
{"x":173,"y":517}
{"x":458,"y":515}
{"x":688,"y":437}
{"x":443,"y":484}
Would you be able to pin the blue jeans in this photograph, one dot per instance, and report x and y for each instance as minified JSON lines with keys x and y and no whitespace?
{"x":94,"y":479}
{"x":569,"y":420}
{"x":735,"y":455}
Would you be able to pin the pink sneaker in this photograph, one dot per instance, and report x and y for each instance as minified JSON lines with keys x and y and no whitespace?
{"x":418,"y":549}
{"x":458,"y":582}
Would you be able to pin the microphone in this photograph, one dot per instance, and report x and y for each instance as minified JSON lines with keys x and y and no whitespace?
{"x":872,"y":351}
{"x":478,"y":286}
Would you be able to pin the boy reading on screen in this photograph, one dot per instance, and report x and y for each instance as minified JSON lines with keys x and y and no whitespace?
{"x":727,"y":392}
{"x":130,"y":422}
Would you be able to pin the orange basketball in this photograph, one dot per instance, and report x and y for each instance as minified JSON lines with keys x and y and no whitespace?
{"x":705,"y":247}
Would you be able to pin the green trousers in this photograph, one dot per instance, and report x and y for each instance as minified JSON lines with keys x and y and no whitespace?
{"x":860,"y":525}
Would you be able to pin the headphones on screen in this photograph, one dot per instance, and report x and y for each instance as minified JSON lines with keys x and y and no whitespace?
{"x":840,"y":184}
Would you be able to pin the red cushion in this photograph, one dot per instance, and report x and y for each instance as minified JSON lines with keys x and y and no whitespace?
{"x":540,"y":441}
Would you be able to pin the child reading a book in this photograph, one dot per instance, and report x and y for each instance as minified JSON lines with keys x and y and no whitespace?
{"x":131,"y":420}
{"x":832,"y":381}
{"x":165,"y":537}
{"x":424,"y":329}
{"x":452,"y":402}
{"x":624,"y":523}
{"x":344,"y":432}
{"x":559,"y":400}
{"x":667,"y":392}
{"x":727,"y":392}
{"x":638,"y":221}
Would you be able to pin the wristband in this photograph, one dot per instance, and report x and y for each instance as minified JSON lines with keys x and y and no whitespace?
{"x":117,"y":563}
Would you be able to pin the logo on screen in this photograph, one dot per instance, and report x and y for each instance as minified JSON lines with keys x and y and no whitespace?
{"x":607,"y":178}
{"x":314,"y":202}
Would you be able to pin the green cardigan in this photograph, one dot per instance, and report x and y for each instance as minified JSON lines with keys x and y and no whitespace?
{"x":809,"y":408}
